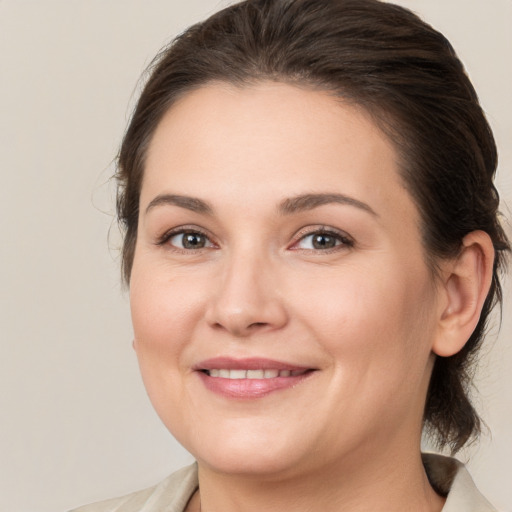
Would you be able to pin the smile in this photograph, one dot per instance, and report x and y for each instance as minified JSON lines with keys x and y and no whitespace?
{"x":237,"y":374}
{"x":250,"y":378}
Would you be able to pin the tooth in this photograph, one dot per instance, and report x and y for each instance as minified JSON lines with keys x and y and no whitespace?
{"x":255,"y":374}
{"x":238,"y":374}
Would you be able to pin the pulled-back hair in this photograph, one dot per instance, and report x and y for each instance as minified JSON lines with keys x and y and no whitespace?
{"x":407,"y":76}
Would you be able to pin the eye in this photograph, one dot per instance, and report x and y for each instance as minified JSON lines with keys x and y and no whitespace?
{"x":323,"y":240}
{"x":188,"y":240}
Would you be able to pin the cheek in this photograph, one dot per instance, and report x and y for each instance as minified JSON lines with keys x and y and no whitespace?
{"x":165,"y":312}
{"x":161,"y":328}
{"x":164,"y":306}
{"x":369,"y":320}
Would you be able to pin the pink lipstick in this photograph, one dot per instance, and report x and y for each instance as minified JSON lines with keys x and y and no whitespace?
{"x":249,"y":378}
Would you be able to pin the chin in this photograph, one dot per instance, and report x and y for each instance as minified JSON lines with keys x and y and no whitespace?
{"x":246,"y":452}
{"x":248,"y":463}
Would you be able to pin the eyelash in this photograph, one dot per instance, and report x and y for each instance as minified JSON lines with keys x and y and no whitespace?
{"x":344,"y":240}
{"x":183,"y":230}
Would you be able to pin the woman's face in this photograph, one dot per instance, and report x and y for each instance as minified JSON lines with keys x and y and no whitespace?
{"x":283,"y":312}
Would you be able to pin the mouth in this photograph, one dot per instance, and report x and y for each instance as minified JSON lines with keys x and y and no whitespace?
{"x":250,"y":378}
{"x":236,"y":374}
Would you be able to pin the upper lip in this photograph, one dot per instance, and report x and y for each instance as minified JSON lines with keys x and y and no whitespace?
{"x":251,"y":363}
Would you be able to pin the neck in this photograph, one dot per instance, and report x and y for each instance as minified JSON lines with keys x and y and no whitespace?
{"x":388,"y":482}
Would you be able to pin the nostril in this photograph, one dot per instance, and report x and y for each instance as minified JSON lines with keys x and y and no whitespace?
{"x":257,"y":324}
{"x":243,"y":318}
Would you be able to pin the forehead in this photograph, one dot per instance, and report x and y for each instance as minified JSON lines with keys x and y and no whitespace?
{"x":270,"y":140}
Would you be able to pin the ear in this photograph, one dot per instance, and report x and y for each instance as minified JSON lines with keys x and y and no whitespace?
{"x":465,"y":284}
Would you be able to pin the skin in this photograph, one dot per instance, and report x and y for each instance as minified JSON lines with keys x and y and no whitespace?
{"x":366,"y":315}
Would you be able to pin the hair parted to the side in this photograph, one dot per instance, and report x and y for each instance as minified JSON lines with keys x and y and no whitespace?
{"x":407,"y":76}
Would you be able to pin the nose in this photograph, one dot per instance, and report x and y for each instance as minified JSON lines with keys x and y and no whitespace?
{"x":247,"y":299}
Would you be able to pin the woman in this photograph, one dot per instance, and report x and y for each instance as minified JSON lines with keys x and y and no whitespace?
{"x":312,"y":249}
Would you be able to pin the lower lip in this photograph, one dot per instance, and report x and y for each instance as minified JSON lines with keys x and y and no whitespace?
{"x":250,"y":388}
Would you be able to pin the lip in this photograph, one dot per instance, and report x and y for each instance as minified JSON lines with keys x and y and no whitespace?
{"x":249,"y":388}
{"x":251,"y":363}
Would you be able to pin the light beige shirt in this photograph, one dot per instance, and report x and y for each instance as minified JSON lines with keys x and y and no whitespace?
{"x":447,"y":475}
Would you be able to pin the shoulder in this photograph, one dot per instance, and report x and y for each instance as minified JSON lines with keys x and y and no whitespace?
{"x":174,"y":493}
{"x":450,"y":478}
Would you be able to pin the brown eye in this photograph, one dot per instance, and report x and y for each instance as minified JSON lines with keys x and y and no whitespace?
{"x":190,"y":240}
{"x":323,"y":240}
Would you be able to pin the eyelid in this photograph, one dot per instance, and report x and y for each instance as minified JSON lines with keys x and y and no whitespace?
{"x":178,"y":230}
{"x":346,"y":240}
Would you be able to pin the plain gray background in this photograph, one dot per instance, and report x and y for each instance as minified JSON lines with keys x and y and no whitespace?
{"x":75,"y":423}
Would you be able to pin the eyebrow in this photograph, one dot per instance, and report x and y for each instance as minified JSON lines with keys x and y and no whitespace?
{"x":310,"y":201}
{"x":189,"y":203}
{"x":289,"y":206}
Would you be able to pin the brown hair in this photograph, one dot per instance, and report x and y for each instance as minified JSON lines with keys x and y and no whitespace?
{"x":407,"y":76}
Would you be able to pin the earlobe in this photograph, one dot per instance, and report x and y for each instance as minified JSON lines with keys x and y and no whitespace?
{"x":466,"y":283}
